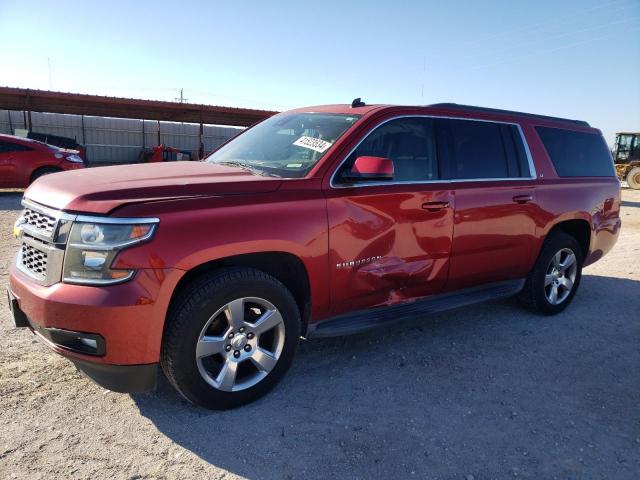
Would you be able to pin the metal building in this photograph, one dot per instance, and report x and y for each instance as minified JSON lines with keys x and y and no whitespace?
{"x":118,"y":140}
{"x":116,"y":130}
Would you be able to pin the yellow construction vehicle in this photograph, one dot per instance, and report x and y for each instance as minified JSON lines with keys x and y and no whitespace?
{"x":626,"y":156}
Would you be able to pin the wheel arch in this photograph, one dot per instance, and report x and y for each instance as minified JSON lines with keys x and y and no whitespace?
{"x":53,"y":168}
{"x":286,"y":267}
{"x":578,"y":228}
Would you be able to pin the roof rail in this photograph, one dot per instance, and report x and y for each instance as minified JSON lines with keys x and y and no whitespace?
{"x":456,"y":106}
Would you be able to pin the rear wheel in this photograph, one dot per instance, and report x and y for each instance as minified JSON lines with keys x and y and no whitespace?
{"x":230,"y":337}
{"x":554,"y":280}
{"x":633,"y":178}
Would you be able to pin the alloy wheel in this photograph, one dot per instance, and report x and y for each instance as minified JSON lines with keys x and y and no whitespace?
{"x":240,"y":344}
{"x":560,"y":276}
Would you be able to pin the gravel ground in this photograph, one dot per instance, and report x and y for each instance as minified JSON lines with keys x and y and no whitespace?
{"x":479,"y":393}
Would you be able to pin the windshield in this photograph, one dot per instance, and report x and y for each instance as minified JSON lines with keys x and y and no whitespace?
{"x":285,"y":145}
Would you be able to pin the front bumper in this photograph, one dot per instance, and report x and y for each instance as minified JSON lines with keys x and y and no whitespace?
{"x":128,"y":319}
{"x":121,"y":378}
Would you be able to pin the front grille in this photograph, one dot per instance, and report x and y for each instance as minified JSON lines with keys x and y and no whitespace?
{"x":42,"y":222}
{"x":34,"y":261}
{"x":44,"y":233}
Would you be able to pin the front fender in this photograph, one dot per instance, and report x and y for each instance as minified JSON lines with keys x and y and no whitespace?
{"x":195,"y":232}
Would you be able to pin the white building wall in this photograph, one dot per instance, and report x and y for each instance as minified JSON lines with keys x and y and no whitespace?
{"x":118,"y":140}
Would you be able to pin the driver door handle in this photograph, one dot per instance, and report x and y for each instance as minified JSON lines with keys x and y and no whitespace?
{"x":523,"y":198}
{"x":435,"y":206}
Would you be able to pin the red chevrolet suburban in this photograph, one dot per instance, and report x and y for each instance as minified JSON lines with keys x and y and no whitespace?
{"x":319,"y":221}
{"x":23,"y":160}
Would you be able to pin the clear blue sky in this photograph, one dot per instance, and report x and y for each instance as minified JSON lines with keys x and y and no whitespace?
{"x":574,"y":58}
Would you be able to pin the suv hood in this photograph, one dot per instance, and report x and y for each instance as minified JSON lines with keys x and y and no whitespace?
{"x":102,"y":189}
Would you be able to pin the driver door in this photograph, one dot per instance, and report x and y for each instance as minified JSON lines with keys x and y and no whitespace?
{"x":390,"y":241}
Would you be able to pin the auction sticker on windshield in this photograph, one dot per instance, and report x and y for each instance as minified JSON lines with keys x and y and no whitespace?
{"x":311,"y":143}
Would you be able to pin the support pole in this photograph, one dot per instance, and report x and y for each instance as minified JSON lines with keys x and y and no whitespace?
{"x":200,"y":143}
{"x":159,"y":142}
{"x":84,"y":136}
{"x":28,"y":103}
{"x":10,"y":124}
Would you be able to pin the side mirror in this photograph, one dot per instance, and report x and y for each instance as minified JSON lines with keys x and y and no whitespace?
{"x":371,"y":168}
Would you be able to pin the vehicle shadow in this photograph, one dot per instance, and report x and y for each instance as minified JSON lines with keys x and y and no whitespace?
{"x":626,"y":203}
{"x":10,"y":199}
{"x":464,"y":392}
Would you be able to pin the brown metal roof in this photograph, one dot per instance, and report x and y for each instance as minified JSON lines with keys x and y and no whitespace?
{"x":80,"y":104}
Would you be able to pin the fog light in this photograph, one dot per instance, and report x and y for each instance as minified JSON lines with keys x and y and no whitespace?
{"x":85,"y":343}
{"x":89,"y":342}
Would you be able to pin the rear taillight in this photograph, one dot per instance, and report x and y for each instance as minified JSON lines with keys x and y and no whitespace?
{"x":73,"y":158}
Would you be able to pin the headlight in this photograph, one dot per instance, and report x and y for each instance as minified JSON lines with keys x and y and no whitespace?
{"x":93,"y":246}
{"x":74,"y":158}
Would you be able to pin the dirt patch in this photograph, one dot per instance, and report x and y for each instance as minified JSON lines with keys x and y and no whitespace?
{"x":484,"y":392}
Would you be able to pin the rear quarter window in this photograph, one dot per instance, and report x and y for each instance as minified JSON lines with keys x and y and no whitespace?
{"x":6,"y":147}
{"x":577,"y":154}
{"x":477,"y":149}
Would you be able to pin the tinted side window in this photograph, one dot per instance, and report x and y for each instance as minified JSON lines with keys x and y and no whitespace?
{"x":477,"y":149}
{"x":409,"y":142}
{"x":577,"y":154}
{"x":12,"y":147}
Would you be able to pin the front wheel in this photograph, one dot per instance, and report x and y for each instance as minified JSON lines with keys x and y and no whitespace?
{"x":554,"y":280}
{"x":230,"y":337}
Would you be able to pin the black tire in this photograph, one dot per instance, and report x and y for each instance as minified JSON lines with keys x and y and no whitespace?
{"x":534,"y":294}
{"x":41,"y":172}
{"x":633,"y":178}
{"x":190,"y":313}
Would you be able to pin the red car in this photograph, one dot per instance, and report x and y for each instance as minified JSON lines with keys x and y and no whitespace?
{"x":320,"y":221}
{"x":22,"y":161}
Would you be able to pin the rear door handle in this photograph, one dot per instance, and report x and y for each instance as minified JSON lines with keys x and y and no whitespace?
{"x":523,"y":198}
{"x":435,"y":206}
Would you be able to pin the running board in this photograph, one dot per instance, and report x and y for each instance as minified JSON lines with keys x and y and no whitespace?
{"x":363,"y":320}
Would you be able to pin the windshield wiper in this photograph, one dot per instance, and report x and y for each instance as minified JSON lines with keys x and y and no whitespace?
{"x":244,"y":166}
{"x":233,"y":163}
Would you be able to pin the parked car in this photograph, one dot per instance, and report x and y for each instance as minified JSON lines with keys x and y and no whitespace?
{"x":316,"y":222}
{"x":23,"y":160}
